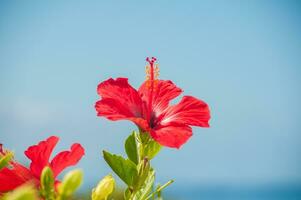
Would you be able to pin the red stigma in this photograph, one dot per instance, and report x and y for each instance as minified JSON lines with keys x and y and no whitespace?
{"x":151,"y":60}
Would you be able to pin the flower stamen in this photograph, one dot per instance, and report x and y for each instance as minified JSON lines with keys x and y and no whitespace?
{"x":152,"y":75}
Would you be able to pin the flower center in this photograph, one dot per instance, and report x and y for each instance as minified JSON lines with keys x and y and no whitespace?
{"x":152,"y":74}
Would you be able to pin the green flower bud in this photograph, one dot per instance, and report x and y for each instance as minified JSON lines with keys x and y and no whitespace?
{"x":104,"y":188}
{"x":70,"y":184}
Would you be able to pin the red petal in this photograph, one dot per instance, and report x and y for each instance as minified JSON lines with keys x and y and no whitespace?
{"x":67,"y":158}
{"x":12,"y":177}
{"x":114,"y":110}
{"x":120,"y":91}
{"x":173,"y":135}
{"x":163,"y":93}
{"x":39,"y":154}
{"x":189,"y":111}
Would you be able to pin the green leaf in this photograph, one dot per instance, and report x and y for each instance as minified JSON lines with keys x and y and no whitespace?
{"x":47,"y":184}
{"x":145,"y":190}
{"x":4,"y":160}
{"x":70,"y":184}
{"x":131,"y":148}
{"x":25,"y":192}
{"x":104,"y":188}
{"x":151,"y":149}
{"x":124,"y":168}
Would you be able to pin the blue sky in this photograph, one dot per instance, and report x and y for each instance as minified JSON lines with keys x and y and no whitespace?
{"x":241,"y":57}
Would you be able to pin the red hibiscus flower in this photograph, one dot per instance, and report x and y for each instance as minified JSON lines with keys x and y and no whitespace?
{"x":149,"y":107}
{"x":16,"y":174}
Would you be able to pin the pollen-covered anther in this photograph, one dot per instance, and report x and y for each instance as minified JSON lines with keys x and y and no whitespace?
{"x":147,"y":68}
{"x":155,"y":85}
{"x":152,"y":73}
{"x":147,"y":84}
{"x":156,"y":71}
{"x":147,"y":76}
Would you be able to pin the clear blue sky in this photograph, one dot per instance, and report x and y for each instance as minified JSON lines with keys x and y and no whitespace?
{"x":241,"y":57}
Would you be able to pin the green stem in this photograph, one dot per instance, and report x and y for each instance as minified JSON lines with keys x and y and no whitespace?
{"x":143,"y":165}
{"x":142,"y":187}
{"x":159,"y":189}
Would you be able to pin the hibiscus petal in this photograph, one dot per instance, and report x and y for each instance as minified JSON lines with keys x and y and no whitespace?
{"x":113,"y":110}
{"x":67,"y":158}
{"x":39,"y":154}
{"x":163,"y":93}
{"x":189,"y":111}
{"x":174,"y":135}
{"x":121,"y":91}
{"x":14,"y":176}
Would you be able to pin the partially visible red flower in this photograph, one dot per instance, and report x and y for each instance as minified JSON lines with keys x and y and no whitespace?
{"x":149,"y":107}
{"x":16,"y":174}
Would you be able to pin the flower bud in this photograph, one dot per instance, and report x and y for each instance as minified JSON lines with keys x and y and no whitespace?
{"x":104,"y":188}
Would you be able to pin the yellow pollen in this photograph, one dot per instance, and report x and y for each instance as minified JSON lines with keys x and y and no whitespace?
{"x":152,"y":76}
